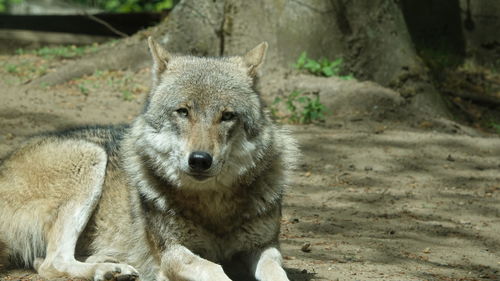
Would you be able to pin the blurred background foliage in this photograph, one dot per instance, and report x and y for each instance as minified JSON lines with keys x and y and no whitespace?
{"x":114,"y":6}
{"x":4,"y":4}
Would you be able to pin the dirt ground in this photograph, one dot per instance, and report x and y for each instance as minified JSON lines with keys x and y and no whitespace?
{"x":373,"y":199}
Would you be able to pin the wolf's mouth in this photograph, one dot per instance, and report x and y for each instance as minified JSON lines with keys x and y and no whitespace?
{"x":199,"y":177}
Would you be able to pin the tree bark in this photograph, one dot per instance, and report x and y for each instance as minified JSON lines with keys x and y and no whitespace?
{"x":481,"y":22}
{"x":371,"y":36}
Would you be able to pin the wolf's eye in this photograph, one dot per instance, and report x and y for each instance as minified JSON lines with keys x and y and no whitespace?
{"x":182,"y":112}
{"x":227,"y":116}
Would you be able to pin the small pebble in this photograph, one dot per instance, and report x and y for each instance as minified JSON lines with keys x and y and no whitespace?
{"x":306,"y":247}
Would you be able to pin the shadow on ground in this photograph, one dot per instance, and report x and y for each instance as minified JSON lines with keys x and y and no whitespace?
{"x":400,"y":205}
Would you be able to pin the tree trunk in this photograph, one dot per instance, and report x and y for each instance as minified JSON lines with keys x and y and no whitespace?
{"x":481,"y":23}
{"x":371,"y":36}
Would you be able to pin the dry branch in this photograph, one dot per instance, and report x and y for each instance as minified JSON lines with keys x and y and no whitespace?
{"x":105,"y":24}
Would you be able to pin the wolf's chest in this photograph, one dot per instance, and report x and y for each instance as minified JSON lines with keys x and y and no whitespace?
{"x":216,"y":212}
{"x":220,"y":241}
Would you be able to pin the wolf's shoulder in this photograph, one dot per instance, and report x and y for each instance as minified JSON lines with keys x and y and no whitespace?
{"x":108,"y":137}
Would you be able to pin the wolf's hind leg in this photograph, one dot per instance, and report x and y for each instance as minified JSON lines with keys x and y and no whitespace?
{"x":83,"y":172}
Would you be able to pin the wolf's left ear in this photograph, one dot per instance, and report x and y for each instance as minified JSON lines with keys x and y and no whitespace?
{"x":160,"y":58}
{"x":254,"y":58}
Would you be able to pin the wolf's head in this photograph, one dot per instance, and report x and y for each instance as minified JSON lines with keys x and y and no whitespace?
{"x":203,"y":125}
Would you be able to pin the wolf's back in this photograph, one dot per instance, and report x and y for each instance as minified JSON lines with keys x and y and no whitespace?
{"x":107,"y":136}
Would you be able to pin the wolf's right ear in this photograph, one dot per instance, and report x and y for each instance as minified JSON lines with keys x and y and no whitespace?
{"x":160,"y":58}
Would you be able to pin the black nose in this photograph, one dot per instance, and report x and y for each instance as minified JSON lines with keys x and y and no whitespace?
{"x":200,"y":161}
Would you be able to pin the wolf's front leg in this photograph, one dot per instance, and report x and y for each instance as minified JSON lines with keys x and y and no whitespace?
{"x":267,"y":265}
{"x":71,"y":182}
{"x":179,"y":263}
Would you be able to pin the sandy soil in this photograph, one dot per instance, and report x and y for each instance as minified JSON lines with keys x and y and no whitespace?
{"x":373,"y":198}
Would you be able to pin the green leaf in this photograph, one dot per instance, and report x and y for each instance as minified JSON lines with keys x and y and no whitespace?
{"x":327,"y":71}
{"x":294,"y":94}
{"x":336,"y":62}
{"x":313,"y":66}
{"x":276,"y":100}
{"x":347,"y":77}
{"x":301,"y":60}
{"x":310,"y":64}
{"x":303,"y":99}
{"x":163,"y":5}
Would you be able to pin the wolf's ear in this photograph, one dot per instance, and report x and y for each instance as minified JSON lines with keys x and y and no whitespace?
{"x":254,"y":58}
{"x":160,"y":58}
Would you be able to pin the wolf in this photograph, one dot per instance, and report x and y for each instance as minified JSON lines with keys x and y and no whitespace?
{"x":196,"y":180}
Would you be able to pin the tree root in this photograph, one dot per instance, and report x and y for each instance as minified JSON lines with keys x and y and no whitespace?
{"x":125,"y":55}
{"x":186,"y":30}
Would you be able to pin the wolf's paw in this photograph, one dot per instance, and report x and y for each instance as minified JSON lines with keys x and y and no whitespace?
{"x":115,"y":272}
{"x":37,"y":263}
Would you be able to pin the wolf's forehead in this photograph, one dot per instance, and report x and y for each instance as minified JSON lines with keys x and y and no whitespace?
{"x":212,"y":72}
{"x":206,"y":77}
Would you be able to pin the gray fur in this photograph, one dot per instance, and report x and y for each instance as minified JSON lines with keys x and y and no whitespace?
{"x":153,"y":214}
{"x":3,"y":255}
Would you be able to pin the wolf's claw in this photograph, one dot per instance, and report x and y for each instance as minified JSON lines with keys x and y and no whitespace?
{"x":127,"y":277}
{"x":116,"y":272}
{"x":108,"y":276}
{"x":116,"y":276}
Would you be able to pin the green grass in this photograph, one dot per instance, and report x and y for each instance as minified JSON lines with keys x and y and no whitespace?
{"x":127,"y":95}
{"x":321,"y":67}
{"x":495,"y":126}
{"x":25,"y":69}
{"x":83,"y":89}
{"x":11,"y":68}
{"x":300,"y":108}
{"x":60,"y":51}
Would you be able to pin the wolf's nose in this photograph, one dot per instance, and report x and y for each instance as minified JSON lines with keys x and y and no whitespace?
{"x":200,"y":161}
